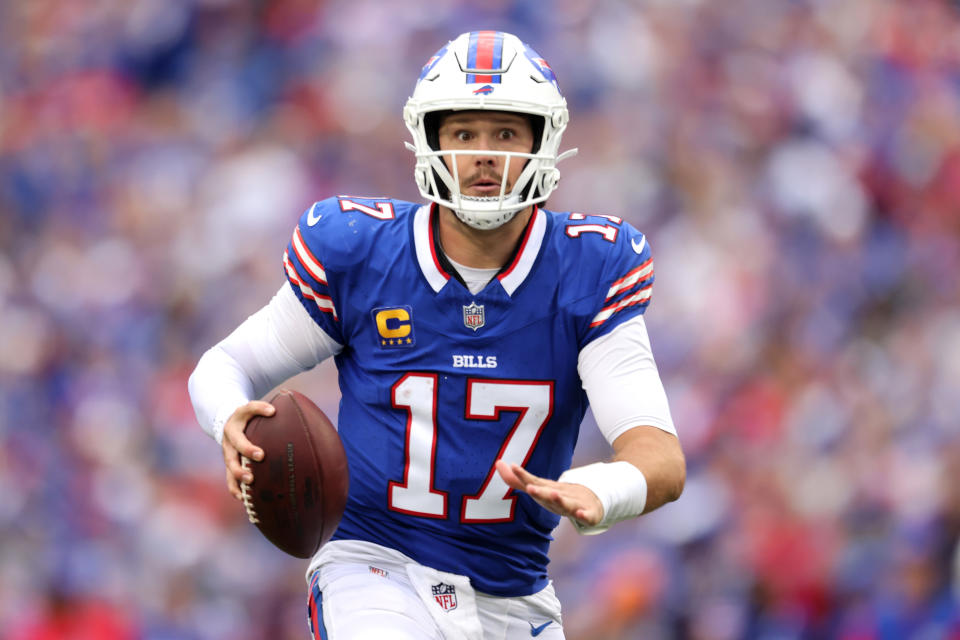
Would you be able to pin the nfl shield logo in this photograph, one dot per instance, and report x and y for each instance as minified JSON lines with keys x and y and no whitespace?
{"x":445,"y":595}
{"x":473,"y":316}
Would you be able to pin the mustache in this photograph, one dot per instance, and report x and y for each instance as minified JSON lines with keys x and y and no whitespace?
{"x":492,"y":176}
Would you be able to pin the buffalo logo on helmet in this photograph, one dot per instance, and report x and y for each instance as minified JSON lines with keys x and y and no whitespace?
{"x":484,"y":90}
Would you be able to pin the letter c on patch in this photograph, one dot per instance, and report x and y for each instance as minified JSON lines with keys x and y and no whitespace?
{"x":393,"y":323}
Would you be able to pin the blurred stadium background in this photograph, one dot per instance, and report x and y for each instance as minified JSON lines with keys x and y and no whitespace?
{"x":795,"y":164}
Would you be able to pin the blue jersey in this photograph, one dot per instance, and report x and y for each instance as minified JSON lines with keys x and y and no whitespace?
{"x":438,"y":383}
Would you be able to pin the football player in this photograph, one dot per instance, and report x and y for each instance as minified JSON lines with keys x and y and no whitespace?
{"x":470,"y":334}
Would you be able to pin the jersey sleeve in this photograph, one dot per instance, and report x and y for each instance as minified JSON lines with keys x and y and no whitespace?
{"x":303,"y":265}
{"x":624,"y":285}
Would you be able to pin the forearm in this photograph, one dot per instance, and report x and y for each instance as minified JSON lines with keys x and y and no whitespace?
{"x":217,"y":386}
{"x":277,"y":342}
{"x":658,"y":455}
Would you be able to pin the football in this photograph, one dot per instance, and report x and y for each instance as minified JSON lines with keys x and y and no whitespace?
{"x":299,"y":489}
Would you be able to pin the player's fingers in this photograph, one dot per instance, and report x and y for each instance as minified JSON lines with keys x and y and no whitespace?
{"x":506,"y":472}
{"x":526,"y":477}
{"x":567,"y":504}
{"x":233,"y":486}
{"x":258,"y":408}
{"x":244,"y":447}
{"x":237,"y":424}
{"x":553,"y":496}
{"x":231,"y":458}
{"x":548,"y":498}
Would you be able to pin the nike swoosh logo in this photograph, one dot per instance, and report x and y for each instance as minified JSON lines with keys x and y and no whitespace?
{"x":637,"y":246}
{"x":535,"y":631}
{"x":313,"y":218}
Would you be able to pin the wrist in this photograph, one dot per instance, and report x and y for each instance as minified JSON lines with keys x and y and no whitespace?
{"x":220,"y":420}
{"x":620,"y":487}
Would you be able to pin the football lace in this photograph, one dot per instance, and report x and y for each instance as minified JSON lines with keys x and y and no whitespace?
{"x":245,"y":493}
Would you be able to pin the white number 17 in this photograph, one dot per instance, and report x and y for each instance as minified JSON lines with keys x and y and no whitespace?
{"x":417,"y":393}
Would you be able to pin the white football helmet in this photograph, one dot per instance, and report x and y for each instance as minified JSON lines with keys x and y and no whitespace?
{"x":487,"y":70}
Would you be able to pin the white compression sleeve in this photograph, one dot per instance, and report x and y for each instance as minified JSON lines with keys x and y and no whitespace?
{"x":275,"y":343}
{"x":622,"y":383}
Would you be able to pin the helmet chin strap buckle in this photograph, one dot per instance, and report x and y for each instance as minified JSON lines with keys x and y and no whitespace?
{"x":410,"y":117}
{"x":420,"y":177}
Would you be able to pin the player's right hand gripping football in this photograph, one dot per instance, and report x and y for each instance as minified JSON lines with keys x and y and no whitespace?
{"x":235,"y":444}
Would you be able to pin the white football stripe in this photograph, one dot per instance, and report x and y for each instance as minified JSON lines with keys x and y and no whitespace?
{"x":638,"y":298}
{"x":306,"y":258}
{"x":640,"y":273}
{"x":324,"y":303}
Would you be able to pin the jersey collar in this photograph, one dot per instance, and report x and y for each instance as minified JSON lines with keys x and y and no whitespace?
{"x":437,"y":270}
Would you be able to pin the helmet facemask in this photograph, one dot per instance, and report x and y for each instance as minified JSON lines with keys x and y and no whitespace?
{"x":441,"y":180}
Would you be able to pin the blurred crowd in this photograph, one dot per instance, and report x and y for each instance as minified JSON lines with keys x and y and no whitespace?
{"x":795,"y":165}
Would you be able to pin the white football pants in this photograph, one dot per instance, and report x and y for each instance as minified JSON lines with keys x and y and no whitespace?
{"x":362,"y":591}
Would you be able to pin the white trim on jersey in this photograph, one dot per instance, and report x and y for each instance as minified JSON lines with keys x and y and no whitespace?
{"x":275,"y":343}
{"x":622,"y":383}
{"x":421,"y":242}
{"x":528,"y":255}
{"x":510,"y":280}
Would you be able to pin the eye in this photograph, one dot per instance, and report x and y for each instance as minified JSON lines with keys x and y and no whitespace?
{"x":462,"y":136}
{"x":507,"y":134}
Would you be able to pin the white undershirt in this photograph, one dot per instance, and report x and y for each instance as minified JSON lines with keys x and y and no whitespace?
{"x":281,"y":340}
{"x":475,"y":279}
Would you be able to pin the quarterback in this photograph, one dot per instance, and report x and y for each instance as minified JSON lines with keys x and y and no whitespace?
{"x":470,"y":333}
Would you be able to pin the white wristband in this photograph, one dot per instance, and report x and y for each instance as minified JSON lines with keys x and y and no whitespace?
{"x":620,"y":486}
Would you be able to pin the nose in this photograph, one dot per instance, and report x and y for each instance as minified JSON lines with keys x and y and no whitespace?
{"x":481,"y":159}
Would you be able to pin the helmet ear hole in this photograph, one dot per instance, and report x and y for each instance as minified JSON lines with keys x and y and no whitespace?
{"x":431,"y":126}
{"x":537,"y":125}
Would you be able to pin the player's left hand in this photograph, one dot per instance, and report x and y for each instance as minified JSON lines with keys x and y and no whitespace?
{"x":563,"y":498}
